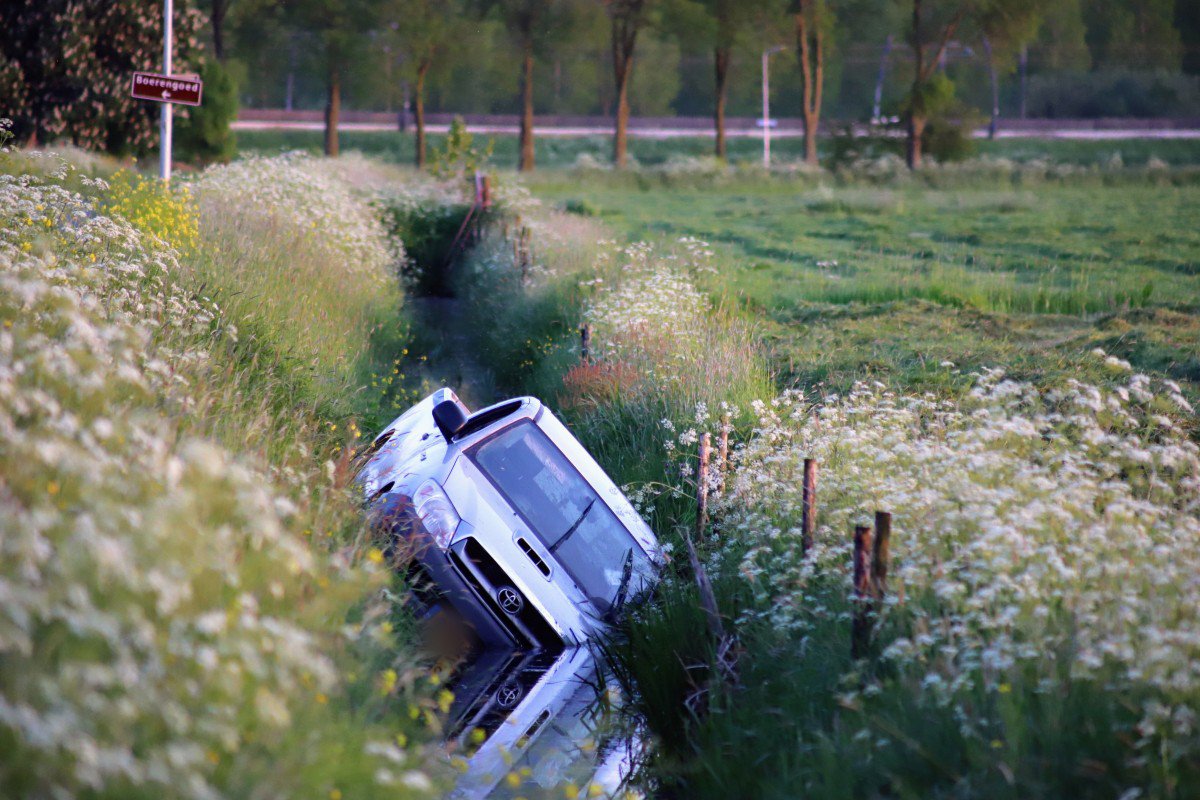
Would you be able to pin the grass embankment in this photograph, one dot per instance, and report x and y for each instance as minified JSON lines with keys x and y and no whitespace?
{"x":1040,"y":618}
{"x":192,"y":607}
{"x":566,"y":152}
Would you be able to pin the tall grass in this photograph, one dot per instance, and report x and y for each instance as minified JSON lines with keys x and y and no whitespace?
{"x":1027,"y":646}
{"x":192,"y":608}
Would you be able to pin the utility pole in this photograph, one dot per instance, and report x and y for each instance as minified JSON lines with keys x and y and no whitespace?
{"x":165,"y":143}
{"x":766,"y":103}
{"x":877,"y":107}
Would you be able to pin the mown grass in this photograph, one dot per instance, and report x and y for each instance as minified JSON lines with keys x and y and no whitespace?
{"x":888,"y":283}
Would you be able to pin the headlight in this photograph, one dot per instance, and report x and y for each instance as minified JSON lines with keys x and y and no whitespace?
{"x":436,"y":512}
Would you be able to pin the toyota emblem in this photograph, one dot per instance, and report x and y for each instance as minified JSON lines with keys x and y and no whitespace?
{"x":510,"y":600}
{"x":508,"y":695}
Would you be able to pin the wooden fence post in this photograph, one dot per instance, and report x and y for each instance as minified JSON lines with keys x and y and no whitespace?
{"x":723,"y":453}
{"x":585,"y":342}
{"x":702,"y":484}
{"x":485,"y":190}
{"x":808,"y":518}
{"x":881,"y":555}
{"x":525,"y":256}
{"x":860,"y":632}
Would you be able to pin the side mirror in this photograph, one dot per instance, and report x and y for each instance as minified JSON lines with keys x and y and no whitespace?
{"x":449,"y":415}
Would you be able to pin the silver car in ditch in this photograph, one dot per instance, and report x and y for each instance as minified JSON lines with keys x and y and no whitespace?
{"x":510,"y":518}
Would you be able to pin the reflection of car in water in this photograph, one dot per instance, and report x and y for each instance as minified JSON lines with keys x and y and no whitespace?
{"x":538,"y":725}
{"x":509,"y":517}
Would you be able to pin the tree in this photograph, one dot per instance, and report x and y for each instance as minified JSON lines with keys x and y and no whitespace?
{"x":933,"y":26}
{"x":339,"y":26}
{"x":812,"y":18}
{"x":422,"y":30}
{"x":530,"y":22}
{"x":1140,"y":34}
{"x":65,"y":67}
{"x":627,"y":18}
{"x":717,"y":25}
{"x":1061,"y":43}
{"x":218,"y":11}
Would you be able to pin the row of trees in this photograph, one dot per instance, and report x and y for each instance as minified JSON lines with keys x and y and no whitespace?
{"x":426,"y":32}
{"x":64,"y":64}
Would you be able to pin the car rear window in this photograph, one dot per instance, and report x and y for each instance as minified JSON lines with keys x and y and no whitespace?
{"x":561,"y":508}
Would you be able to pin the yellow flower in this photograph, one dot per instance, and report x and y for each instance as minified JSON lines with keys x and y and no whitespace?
{"x":375,"y":555}
{"x":322,"y":699}
{"x":335,"y":794}
{"x":1004,"y":688}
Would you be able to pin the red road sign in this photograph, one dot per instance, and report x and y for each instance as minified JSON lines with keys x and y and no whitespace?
{"x":185,"y":89}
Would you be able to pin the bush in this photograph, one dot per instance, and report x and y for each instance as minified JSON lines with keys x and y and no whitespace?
{"x":204,"y":135}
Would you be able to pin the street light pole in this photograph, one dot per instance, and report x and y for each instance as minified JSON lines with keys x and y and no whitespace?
{"x":766,"y":103}
{"x":165,"y":141}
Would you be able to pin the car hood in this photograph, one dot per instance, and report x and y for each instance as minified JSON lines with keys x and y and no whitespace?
{"x":412,"y":437}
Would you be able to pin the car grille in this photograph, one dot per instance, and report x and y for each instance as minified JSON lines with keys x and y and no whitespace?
{"x":485,"y":576}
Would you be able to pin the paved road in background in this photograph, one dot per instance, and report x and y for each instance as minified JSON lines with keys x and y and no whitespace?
{"x":668,"y":132}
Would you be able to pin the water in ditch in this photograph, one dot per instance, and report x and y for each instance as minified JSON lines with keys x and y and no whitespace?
{"x":539,"y":725}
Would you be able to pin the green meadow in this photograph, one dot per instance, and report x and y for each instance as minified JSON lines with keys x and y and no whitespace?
{"x":889,"y":282}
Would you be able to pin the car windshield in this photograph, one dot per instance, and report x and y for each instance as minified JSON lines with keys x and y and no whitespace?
{"x":563,"y":510}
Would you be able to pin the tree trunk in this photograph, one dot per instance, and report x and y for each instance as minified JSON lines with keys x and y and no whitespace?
{"x":333,"y":110}
{"x":620,"y":145}
{"x":419,"y":112}
{"x":217,"y":16}
{"x":916,"y":129}
{"x":811,"y":39}
{"x":721,"y":58}
{"x":527,"y":155}
{"x":916,"y":110}
{"x":624,"y":38}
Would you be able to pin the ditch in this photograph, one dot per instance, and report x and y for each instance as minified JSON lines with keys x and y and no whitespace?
{"x":522,"y":723}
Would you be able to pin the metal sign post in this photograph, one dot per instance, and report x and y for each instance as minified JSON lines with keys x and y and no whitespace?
{"x":167,"y":89}
{"x":165,"y":143}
